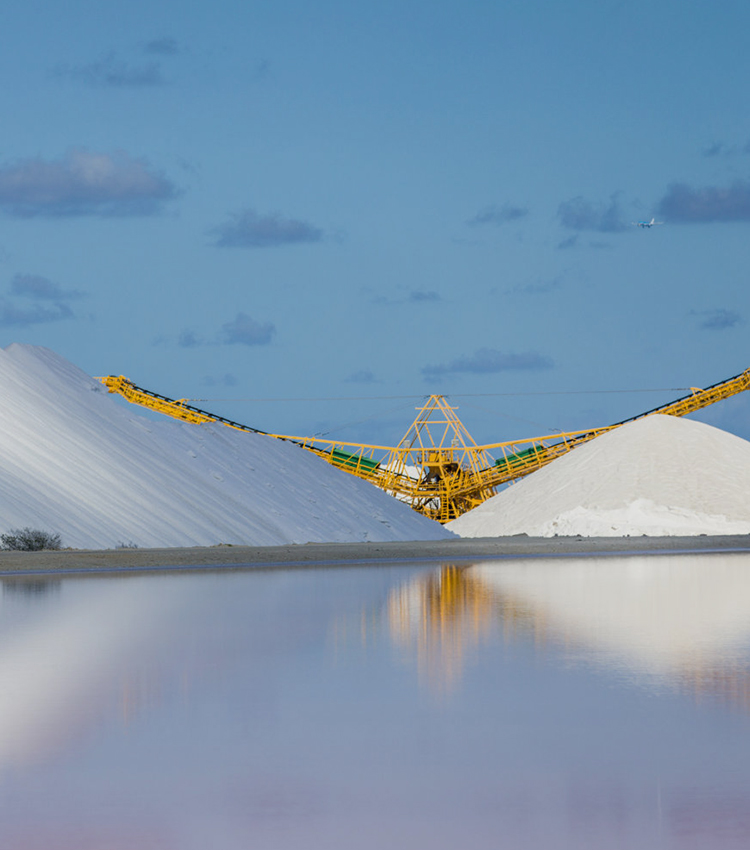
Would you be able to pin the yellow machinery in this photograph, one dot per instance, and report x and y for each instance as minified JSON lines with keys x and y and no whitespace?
{"x":437,"y":467}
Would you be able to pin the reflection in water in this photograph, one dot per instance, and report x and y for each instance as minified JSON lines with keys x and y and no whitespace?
{"x":264,"y":710}
{"x":67,"y":663}
{"x":442,"y":617}
{"x":667,"y":620}
{"x":30,"y":588}
{"x":676,"y":620}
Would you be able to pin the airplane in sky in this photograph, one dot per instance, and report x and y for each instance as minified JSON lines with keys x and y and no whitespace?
{"x":646,"y":223}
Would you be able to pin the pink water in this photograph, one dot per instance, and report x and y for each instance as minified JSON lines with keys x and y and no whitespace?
{"x":523,"y":704}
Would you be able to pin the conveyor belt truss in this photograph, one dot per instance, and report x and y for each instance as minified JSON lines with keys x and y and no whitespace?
{"x":437,"y":467}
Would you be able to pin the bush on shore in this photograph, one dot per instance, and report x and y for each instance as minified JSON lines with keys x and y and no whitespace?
{"x":29,"y":540}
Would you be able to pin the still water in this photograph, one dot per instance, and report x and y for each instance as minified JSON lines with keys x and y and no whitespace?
{"x":525,"y":703}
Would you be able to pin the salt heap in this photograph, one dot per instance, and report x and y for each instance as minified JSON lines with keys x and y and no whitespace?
{"x":75,"y":461}
{"x":658,"y":476}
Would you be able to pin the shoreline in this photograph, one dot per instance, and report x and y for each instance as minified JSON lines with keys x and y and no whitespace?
{"x":122,"y":561}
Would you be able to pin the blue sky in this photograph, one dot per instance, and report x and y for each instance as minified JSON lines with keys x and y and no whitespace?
{"x":252,"y":203}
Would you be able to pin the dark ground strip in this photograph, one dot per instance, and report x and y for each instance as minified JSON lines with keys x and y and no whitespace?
{"x":318,"y":554}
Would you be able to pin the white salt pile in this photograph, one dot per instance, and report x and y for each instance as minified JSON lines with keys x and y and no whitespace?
{"x":657,"y":476}
{"x":75,"y":461}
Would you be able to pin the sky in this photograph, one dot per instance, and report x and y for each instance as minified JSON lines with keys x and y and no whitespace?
{"x":309,"y":217}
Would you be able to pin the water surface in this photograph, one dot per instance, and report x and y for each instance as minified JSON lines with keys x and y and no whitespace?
{"x":529,"y":703}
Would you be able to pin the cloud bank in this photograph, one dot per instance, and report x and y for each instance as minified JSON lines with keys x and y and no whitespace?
{"x":189,"y":339}
{"x":718,"y":320}
{"x":724,"y":150}
{"x":111,"y":71}
{"x":41,"y":288}
{"x":244,"y":330}
{"x":488,"y":360}
{"x":13,"y":316}
{"x":580,"y":214}
{"x":83,"y":183}
{"x":684,"y":205}
{"x":247,"y":229}
{"x":36,"y":289}
{"x":497,"y":215}
{"x":164,"y":46}
{"x":421,"y":296}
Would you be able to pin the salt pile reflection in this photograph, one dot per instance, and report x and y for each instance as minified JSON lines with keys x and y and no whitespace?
{"x":678,"y":620}
{"x":70,"y":662}
{"x":681,"y":620}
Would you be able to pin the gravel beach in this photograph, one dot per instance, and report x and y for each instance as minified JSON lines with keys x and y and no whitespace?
{"x":342,"y":554}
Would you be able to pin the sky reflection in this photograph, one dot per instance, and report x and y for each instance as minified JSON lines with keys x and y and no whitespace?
{"x":544,"y":703}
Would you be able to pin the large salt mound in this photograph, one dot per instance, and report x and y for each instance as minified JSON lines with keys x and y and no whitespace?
{"x":75,"y":461}
{"x":658,"y":476}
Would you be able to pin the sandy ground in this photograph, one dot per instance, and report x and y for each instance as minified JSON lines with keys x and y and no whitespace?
{"x":460,"y":550}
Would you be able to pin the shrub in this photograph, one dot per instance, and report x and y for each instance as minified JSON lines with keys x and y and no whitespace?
{"x":29,"y":540}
